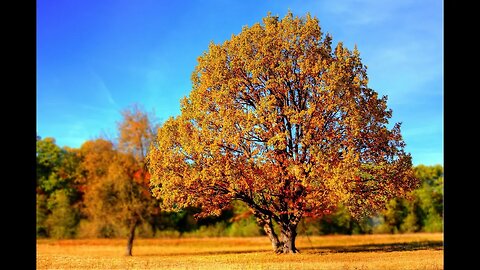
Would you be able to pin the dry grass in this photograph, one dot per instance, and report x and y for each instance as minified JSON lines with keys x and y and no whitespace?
{"x":407,"y":251}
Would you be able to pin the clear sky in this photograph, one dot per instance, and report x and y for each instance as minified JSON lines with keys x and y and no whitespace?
{"x":95,"y":58}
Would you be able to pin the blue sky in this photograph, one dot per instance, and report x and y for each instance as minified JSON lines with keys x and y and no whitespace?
{"x":95,"y":58}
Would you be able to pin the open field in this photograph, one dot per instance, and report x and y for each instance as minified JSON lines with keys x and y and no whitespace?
{"x":407,"y":251}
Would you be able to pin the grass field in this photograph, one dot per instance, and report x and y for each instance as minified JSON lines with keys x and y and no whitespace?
{"x":407,"y":251}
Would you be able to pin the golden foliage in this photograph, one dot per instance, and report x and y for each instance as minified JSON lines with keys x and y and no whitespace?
{"x":280,"y":120}
{"x":136,"y":132}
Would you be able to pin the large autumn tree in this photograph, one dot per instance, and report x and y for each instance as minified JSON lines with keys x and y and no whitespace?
{"x":280,"y":120}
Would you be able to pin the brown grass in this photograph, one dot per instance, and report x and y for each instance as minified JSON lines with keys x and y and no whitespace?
{"x":407,"y":251}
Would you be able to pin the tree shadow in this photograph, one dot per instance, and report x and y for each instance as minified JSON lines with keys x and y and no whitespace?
{"x":388,"y":247}
{"x":205,"y":253}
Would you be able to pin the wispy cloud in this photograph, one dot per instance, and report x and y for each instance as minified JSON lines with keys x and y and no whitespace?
{"x":103,"y":89}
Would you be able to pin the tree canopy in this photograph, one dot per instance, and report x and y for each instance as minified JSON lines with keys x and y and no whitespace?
{"x":280,"y":120}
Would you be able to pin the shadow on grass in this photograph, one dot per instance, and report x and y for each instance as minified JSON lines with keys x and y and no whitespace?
{"x":204,"y":253}
{"x":389,"y":247}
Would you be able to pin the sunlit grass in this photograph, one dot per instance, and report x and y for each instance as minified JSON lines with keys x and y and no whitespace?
{"x":407,"y":251}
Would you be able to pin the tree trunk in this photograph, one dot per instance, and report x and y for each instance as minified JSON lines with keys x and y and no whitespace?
{"x":286,"y":244}
{"x":288,"y":236}
{"x":131,"y":236}
{"x":267,"y":225}
{"x":268,"y":228}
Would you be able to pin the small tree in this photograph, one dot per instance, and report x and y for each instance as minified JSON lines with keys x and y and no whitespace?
{"x":118,"y":182}
{"x":283,"y":122}
{"x":136,"y":133}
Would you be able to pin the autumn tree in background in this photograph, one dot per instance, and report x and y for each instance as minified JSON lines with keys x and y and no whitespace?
{"x":423,"y":211}
{"x":117,"y":182}
{"x":280,"y":120}
{"x":97,"y":156}
{"x":58,"y":199}
{"x":429,"y":198}
{"x":136,"y":134}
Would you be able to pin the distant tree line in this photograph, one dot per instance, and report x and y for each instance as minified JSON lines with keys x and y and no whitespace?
{"x":101,"y":190}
